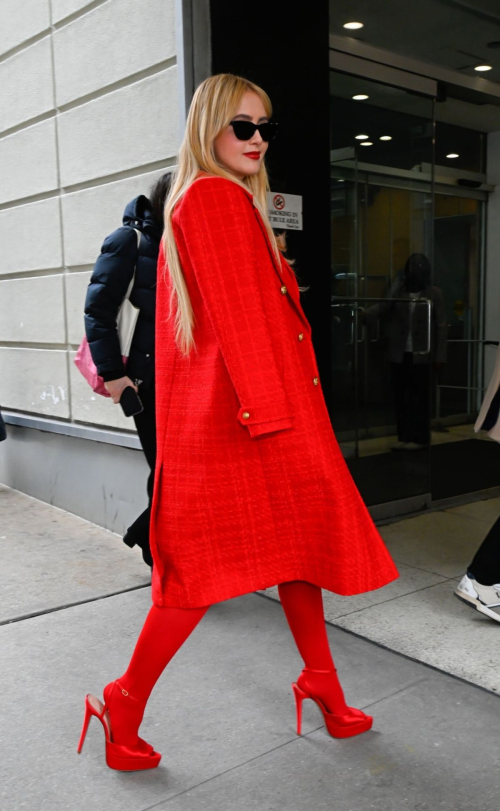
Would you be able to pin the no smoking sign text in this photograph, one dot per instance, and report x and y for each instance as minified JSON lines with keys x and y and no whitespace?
{"x":285,"y":211}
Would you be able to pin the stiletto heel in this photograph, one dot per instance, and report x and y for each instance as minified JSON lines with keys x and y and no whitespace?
{"x":86,"y":722}
{"x":299,"y":698}
{"x":353,"y":722}
{"x":119,"y":757}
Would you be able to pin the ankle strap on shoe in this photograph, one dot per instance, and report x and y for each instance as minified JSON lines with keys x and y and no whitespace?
{"x":126,"y":693}
{"x":310,"y":670}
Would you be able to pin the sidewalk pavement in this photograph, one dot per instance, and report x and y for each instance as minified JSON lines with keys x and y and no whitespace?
{"x":418,"y":614}
{"x":74,"y":599}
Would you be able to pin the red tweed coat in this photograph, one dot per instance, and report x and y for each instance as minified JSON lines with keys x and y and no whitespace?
{"x":251,"y":488}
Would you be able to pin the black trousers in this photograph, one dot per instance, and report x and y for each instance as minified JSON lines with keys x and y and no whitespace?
{"x":138,"y":532}
{"x":411,"y":391}
{"x":486,"y":564}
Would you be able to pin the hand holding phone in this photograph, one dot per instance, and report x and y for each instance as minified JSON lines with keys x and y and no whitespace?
{"x":115,"y":387}
{"x":130,"y":402}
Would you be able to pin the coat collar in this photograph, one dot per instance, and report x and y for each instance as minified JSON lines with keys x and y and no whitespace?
{"x":283,"y":271}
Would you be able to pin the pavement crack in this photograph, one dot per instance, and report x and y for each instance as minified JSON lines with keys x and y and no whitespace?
{"x":226,"y":771}
{"x":395,"y":693}
{"x":56,"y":608}
{"x":389,"y":600}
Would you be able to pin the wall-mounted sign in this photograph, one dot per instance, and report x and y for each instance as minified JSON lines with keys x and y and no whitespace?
{"x":285,"y":211}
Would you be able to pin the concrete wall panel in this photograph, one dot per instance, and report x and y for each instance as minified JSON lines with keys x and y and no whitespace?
{"x":32,"y":310}
{"x":91,"y":214}
{"x":26,"y":82}
{"x":76,"y":290}
{"x":143,"y":34}
{"x":124,"y":129}
{"x":30,"y":237}
{"x":20,"y":21}
{"x":63,"y":8}
{"x":104,"y":483}
{"x":93,"y":408}
{"x":35,"y":380}
{"x":28,"y":163}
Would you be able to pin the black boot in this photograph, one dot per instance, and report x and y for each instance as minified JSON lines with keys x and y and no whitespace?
{"x":138,"y":533}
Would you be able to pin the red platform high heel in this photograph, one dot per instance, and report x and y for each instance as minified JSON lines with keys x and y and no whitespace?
{"x":119,"y":757}
{"x":353,"y":722}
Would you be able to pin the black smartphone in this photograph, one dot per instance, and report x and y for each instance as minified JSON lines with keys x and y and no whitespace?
{"x":130,"y":402}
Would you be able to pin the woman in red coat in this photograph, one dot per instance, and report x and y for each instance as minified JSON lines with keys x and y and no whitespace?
{"x":251,"y":489}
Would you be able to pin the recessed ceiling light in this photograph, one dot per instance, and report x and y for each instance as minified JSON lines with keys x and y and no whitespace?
{"x":360,"y":97}
{"x":353,"y":26}
{"x":366,"y":143}
{"x":453,"y":155}
{"x":340,"y":180}
{"x":386,"y":137}
{"x":361,"y":137}
{"x":483,"y":68}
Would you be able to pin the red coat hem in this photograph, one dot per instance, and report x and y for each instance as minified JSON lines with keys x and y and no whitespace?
{"x":162,"y":600}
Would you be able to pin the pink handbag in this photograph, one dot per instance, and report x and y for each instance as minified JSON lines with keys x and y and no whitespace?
{"x":84,"y":363}
{"x":127,"y":319}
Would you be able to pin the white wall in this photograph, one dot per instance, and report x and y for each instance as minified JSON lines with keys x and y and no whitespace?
{"x":88,"y":120}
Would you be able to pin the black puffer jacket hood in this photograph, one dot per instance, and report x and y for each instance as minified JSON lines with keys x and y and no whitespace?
{"x":138,"y":214}
{"x":113,"y":271}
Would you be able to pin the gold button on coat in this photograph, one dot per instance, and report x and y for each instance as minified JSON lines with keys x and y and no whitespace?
{"x":315,"y":381}
{"x":245,"y":415}
{"x":284,"y":290}
{"x":301,"y":336}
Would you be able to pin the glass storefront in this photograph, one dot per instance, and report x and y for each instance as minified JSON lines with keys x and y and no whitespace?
{"x":406,"y":295}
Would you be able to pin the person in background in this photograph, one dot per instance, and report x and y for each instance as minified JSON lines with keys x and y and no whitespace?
{"x":480,"y":586}
{"x":121,"y":255}
{"x":411,"y":349}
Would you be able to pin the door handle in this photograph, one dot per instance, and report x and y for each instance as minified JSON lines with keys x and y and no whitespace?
{"x":377,"y":335}
{"x":427,"y":301}
{"x":353,"y":316}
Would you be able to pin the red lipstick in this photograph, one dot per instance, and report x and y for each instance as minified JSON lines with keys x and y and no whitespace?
{"x":253,"y":155}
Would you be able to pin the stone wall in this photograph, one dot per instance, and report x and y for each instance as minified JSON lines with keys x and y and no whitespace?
{"x":89,"y":118}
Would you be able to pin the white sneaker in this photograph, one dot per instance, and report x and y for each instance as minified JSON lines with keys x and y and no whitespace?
{"x":485,"y":599}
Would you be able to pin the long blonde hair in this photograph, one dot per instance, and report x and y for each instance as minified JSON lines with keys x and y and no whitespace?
{"x":214,"y":104}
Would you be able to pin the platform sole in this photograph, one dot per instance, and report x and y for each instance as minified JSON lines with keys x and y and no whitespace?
{"x":350,"y":732}
{"x":132,"y":764}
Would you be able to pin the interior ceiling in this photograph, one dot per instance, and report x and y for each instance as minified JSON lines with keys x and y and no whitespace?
{"x":450,"y":33}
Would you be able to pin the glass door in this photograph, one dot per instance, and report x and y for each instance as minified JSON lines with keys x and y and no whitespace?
{"x":462,"y":461}
{"x":381,"y":265}
{"x":408,"y":348}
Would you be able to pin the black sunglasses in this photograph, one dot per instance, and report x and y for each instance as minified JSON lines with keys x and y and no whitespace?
{"x":244,"y":130}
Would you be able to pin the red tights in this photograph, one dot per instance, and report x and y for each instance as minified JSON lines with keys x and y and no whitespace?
{"x":166,"y":629}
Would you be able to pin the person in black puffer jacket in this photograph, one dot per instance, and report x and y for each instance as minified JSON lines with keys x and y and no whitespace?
{"x":113,"y":271}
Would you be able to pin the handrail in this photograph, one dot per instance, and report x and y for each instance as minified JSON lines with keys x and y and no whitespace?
{"x":338,"y":299}
{"x":468,"y":388}
{"x":342,"y":302}
{"x":472,"y":341}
